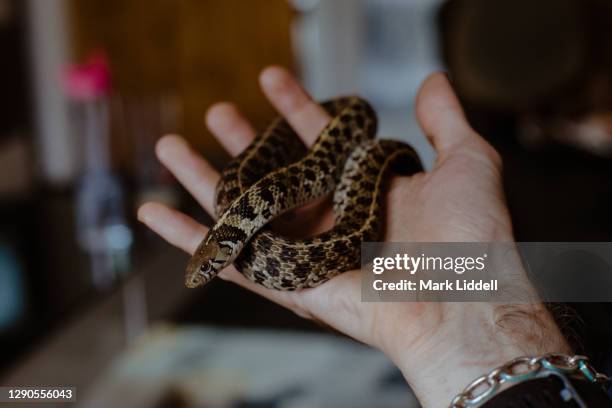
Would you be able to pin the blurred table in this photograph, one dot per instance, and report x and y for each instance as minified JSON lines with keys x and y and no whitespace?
{"x":83,"y":346}
{"x":190,"y":367}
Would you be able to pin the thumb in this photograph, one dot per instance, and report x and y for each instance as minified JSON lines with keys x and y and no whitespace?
{"x":440,"y":114}
{"x":444,"y":123}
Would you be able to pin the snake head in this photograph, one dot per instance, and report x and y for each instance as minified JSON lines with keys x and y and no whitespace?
{"x":209,"y":259}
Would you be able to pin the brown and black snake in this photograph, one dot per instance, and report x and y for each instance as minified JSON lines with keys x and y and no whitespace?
{"x":277,"y":173}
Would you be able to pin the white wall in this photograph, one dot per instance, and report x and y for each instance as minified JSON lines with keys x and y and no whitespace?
{"x":47,"y":27}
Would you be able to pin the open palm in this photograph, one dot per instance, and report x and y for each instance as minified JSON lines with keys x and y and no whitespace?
{"x":461,"y":199}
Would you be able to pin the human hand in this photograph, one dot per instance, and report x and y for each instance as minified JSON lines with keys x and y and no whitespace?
{"x":440,"y":347}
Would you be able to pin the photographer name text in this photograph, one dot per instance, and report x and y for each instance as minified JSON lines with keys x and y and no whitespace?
{"x":457,"y":285}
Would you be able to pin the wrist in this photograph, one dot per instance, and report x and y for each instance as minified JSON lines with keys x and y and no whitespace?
{"x":472,"y":340}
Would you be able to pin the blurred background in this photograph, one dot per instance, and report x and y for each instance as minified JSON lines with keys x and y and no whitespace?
{"x":89,"y":298}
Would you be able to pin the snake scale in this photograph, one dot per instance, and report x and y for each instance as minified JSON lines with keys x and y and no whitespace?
{"x":277,"y":173}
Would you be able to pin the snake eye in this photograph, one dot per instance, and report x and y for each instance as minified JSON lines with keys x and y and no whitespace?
{"x":206,"y":267}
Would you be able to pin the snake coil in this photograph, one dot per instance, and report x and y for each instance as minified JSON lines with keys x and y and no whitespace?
{"x":277,"y":173}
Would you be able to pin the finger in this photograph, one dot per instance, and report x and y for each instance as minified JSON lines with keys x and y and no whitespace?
{"x":175,"y":227}
{"x":191,"y":170}
{"x":230,"y":128}
{"x":440,"y":114}
{"x":304,"y":115}
{"x":185,"y":233}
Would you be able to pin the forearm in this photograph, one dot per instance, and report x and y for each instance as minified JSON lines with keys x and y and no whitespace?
{"x":474,"y":339}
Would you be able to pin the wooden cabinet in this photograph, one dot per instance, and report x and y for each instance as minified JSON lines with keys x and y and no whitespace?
{"x":204,"y":50}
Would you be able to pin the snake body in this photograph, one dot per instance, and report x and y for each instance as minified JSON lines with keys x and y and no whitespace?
{"x":277,"y":173}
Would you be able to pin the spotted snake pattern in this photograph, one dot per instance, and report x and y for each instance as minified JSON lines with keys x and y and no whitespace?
{"x":277,"y":173}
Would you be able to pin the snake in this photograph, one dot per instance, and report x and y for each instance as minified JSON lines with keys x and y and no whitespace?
{"x":277,"y":173}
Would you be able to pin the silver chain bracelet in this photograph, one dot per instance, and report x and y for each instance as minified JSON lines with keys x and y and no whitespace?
{"x":522,"y":369}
